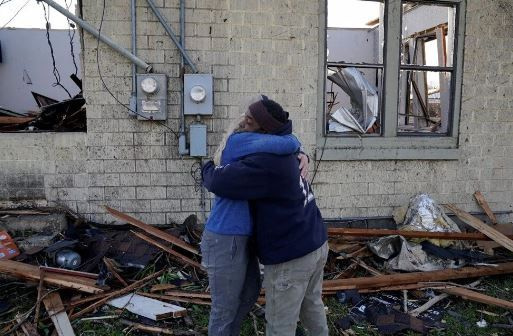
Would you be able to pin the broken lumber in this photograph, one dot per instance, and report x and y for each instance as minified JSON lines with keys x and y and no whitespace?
{"x":484,"y":205}
{"x":471,"y":295}
{"x":169,"y":250}
{"x":55,"y":309}
{"x":408,"y":234}
{"x":152,"y":230}
{"x":110,"y":267}
{"x":143,"y":327}
{"x":482,"y":227}
{"x":417,"y":311}
{"x":415,"y":277}
{"x":161,"y":287}
{"x":178,"y":299}
{"x":112,"y":295}
{"x":433,"y":301}
{"x":31,"y":273}
{"x":148,"y":307}
{"x":15,"y":120}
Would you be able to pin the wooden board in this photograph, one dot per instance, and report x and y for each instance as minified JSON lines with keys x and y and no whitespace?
{"x":408,"y":234}
{"x":471,"y":295}
{"x":169,"y":250}
{"x":55,"y":309}
{"x":482,"y":227}
{"x":484,"y":205}
{"x":30,"y":272}
{"x":416,"y":277}
{"x":148,"y":307}
{"x":152,"y":230}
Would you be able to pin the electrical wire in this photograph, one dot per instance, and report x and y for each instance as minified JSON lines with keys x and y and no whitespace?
{"x":105,"y":85}
{"x":71,"y":26}
{"x":196,"y":175}
{"x":16,"y":14}
{"x":4,"y":2}
{"x":320,"y":159}
{"x":56,"y":73}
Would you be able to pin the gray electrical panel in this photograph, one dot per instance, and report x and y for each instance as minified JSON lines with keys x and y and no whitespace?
{"x":198,"y":94}
{"x":198,"y":139}
{"x":151,"y":97}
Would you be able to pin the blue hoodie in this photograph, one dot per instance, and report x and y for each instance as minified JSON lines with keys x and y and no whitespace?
{"x":287,"y":221}
{"x":232,"y":217}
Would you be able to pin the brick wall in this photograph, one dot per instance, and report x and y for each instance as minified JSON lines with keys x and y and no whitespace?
{"x":272,"y":47}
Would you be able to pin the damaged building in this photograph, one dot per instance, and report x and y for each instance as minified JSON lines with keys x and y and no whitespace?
{"x":448,"y":136}
{"x":404,"y":108}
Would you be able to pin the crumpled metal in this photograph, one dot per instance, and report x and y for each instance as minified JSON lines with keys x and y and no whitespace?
{"x":405,"y":256}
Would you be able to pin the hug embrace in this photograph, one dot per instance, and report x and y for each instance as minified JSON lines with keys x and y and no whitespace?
{"x":264,"y":213}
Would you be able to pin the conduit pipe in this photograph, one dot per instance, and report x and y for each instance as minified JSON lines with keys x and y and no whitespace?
{"x":91,"y":30}
{"x":171,"y":34}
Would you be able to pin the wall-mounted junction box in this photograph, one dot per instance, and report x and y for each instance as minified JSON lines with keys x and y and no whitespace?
{"x":198,"y":94}
{"x":151,"y":97}
{"x":198,"y":140}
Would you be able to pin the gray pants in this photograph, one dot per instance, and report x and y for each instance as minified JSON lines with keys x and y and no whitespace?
{"x":293,"y":291}
{"x":234,"y":279}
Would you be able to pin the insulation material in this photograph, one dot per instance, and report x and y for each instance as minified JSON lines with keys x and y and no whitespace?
{"x":424,"y":214}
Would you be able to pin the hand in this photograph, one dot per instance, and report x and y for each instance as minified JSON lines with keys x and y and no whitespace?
{"x":303,"y":164}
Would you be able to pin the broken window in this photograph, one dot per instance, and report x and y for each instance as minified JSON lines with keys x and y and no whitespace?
{"x":426,"y":65}
{"x":40,"y":86}
{"x":354,"y":67}
{"x":380,"y":81}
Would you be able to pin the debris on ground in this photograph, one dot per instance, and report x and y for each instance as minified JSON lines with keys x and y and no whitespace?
{"x":69,"y":275}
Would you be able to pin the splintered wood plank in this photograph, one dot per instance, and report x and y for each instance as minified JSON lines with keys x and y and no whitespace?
{"x":55,"y":309}
{"x":15,"y":120}
{"x":152,"y":230}
{"x":471,"y":295}
{"x":484,"y":205}
{"x":112,"y":295}
{"x":169,"y":250}
{"x":407,"y":234}
{"x":30,"y":272}
{"x":399,"y":279}
{"x":482,"y":227}
{"x":148,"y":307}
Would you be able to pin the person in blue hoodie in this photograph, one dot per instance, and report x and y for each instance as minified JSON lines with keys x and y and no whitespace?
{"x":291,"y":237}
{"x":232,"y":266}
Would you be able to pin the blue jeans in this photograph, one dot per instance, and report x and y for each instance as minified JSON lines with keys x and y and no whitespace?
{"x":234,"y":279}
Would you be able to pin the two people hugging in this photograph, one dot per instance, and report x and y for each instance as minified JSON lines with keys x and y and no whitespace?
{"x":264,"y":212}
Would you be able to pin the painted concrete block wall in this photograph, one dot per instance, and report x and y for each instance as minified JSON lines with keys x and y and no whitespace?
{"x":249,"y":46}
{"x":42,"y":169}
{"x":269,"y":47}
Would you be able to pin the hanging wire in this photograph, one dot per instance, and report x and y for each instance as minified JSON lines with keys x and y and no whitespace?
{"x":196,"y":175}
{"x":71,"y":27}
{"x":56,"y":73}
{"x":4,"y":2}
{"x":105,"y":85}
{"x":15,"y":15}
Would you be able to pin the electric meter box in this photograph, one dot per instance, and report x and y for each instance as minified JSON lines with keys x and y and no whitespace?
{"x":151,"y":97}
{"x":198,"y":94}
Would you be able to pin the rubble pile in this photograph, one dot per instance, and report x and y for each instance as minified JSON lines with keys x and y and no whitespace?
{"x":61,"y":273}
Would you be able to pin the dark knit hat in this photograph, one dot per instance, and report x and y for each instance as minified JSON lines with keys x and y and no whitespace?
{"x":268,"y":114}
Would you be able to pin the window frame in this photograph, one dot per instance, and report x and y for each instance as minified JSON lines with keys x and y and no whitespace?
{"x":391,"y":145}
